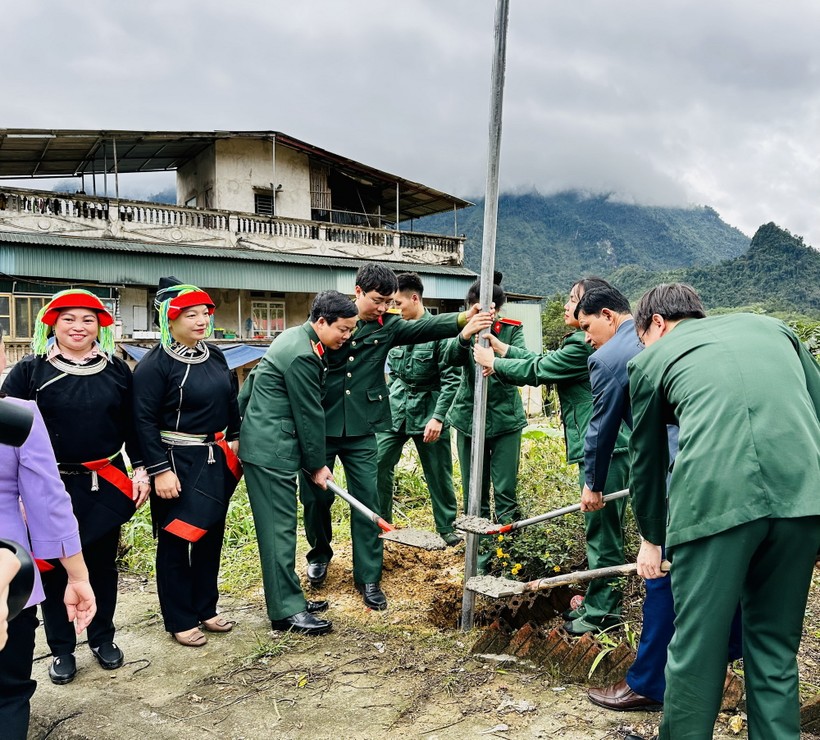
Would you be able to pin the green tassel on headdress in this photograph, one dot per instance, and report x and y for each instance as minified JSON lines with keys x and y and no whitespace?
{"x":39,"y":344}
{"x":164,"y":329}
{"x":105,"y":338}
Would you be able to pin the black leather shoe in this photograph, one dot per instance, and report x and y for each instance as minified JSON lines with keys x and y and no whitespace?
{"x":315,"y":607}
{"x":62,"y":669}
{"x":304,"y":623}
{"x":451,"y":539}
{"x":317,"y":573}
{"x":108,"y":655}
{"x":373,"y":596}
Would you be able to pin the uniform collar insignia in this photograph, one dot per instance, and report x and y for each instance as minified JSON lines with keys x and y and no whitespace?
{"x":318,"y":348}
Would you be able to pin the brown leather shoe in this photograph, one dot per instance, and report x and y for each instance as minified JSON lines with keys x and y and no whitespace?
{"x":620,"y":698}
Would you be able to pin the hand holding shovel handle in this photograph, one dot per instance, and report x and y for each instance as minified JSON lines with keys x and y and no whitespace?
{"x":484,"y":526}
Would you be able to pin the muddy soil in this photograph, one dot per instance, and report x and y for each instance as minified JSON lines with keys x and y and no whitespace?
{"x":406,"y":672}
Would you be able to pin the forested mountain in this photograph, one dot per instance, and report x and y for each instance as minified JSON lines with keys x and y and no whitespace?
{"x":778,"y":273}
{"x":544,"y":243}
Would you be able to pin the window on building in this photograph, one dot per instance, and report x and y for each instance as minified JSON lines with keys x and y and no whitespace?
{"x":263,"y":203}
{"x":25,"y":314}
{"x":267,"y":318}
{"x":5,"y":314}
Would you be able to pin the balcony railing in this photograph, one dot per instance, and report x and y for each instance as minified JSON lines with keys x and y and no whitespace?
{"x":89,"y":216}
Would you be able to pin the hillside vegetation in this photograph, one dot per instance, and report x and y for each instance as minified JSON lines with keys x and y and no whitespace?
{"x":778,"y":274}
{"x":544,"y":243}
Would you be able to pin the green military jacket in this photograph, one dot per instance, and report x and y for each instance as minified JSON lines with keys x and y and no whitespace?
{"x":283,"y":422}
{"x":357,"y":400}
{"x":422,"y":385}
{"x":566,"y":368}
{"x":746,"y":395}
{"x":505,"y":410}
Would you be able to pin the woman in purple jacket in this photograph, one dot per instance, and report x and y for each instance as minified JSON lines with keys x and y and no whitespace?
{"x":36,"y":510}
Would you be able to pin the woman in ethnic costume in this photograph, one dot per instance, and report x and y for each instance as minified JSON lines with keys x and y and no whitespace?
{"x":29,"y":476}
{"x":85,"y":396}
{"x":188,"y":425}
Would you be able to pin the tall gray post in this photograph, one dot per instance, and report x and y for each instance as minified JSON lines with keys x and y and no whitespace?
{"x":486,"y":296}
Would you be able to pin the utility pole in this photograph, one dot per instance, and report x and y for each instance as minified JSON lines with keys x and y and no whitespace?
{"x":502,"y":12}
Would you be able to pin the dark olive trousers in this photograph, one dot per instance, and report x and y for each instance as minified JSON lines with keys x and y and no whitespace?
{"x":358,"y":458}
{"x":437,"y":464}
{"x":767,"y":566}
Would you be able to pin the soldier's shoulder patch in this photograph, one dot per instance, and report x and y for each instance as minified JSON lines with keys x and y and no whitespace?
{"x":510,"y":322}
{"x":318,"y":348}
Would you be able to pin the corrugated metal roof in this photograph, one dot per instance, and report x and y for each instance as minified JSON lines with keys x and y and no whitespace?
{"x":27,"y":255}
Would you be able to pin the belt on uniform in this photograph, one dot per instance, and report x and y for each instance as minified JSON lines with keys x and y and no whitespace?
{"x":102,"y":468}
{"x":183,"y":439}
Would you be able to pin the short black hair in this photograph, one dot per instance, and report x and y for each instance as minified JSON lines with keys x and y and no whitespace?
{"x":591,"y":282}
{"x":474,"y":294}
{"x":596,"y":300}
{"x":410,"y":282}
{"x":331,"y":305}
{"x":374,"y":276}
{"x":673,"y":301}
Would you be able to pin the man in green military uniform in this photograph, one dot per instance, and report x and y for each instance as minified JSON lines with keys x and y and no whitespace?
{"x":743,"y":511}
{"x":421,"y":391}
{"x":567,"y":368}
{"x":357,"y":406}
{"x":504,"y":418}
{"x":283,"y":431}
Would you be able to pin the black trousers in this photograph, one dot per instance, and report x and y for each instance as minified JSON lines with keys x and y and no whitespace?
{"x":16,"y":684}
{"x":100,"y":557}
{"x":187,"y":577}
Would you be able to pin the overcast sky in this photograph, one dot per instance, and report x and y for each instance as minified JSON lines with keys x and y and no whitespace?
{"x":713,"y":102}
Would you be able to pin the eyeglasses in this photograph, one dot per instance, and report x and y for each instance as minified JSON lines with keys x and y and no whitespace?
{"x":379,"y":301}
{"x":642,"y":334}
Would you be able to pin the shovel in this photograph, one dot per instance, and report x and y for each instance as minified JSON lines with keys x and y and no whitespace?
{"x":479,"y":525}
{"x":405,"y":536}
{"x":498,"y":588}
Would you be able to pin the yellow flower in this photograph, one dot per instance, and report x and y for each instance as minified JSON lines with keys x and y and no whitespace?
{"x":504,"y":563}
{"x":515,"y":569}
{"x":557,"y":568}
{"x":501,"y":538}
{"x":499,"y":553}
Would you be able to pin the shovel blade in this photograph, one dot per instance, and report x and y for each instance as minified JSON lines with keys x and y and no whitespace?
{"x":495,"y":588}
{"x":415,"y":538}
{"x":474,"y":524}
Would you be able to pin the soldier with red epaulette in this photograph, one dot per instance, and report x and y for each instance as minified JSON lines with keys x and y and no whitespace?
{"x":505,"y":415}
{"x":283,"y":431}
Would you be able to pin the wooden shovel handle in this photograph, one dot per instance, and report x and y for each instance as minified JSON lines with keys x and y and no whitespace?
{"x":582,"y":576}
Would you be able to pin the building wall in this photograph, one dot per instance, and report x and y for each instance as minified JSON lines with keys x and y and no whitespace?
{"x":135,"y":311}
{"x":293,"y":174}
{"x":197,"y":179}
{"x":243,"y":167}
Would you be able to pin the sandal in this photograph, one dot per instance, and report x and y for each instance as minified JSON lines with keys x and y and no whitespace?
{"x":218,"y":624}
{"x":191,"y":638}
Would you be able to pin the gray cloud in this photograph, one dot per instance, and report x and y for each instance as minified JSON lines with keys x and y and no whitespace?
{"x":672,"y":103}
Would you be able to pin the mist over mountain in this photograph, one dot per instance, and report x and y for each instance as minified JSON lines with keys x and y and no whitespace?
{"x":544,"y":243}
